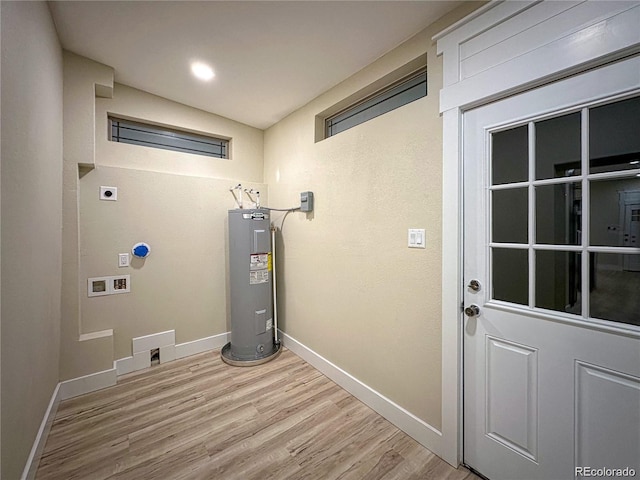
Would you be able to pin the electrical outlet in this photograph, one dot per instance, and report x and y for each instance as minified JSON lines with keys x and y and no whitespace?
{"x":123,"y":260}
{"x":109,"y":193}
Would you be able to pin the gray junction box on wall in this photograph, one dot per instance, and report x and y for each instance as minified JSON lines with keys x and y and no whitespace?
{"x":250,"y":283}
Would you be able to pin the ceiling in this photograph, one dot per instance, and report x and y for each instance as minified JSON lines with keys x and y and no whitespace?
{"x":270,"y":57}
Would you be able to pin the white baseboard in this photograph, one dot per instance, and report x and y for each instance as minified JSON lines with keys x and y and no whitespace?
{"x":29,"y":472}
{"x":202,"y":345}
{"x":88,"y":383}
{"x":164,"y":342}
{"x":107,"y":378}
{"x":173,"y":352}
{"x":155,"y":340}
{"x":416,"y":428}
{"x":123,"y":366}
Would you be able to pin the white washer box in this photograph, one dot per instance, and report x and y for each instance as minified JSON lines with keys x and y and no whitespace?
{"x":99,"y":286}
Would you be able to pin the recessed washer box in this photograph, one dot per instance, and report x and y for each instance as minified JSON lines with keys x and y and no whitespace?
{"x":99,"y":286}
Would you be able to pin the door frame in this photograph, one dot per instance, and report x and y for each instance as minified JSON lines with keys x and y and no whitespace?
{"x":463,"y":88}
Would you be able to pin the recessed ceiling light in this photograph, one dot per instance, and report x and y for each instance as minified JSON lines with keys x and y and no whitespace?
{"x":202,"y":71}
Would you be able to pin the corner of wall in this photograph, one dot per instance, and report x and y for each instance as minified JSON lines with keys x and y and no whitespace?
{"x":84,"y":79}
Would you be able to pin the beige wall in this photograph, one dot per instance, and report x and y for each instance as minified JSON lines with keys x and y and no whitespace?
{"x":182,"y":284}
{"x":175,"y":202}
{"x":351,"y":289}
{"x":31,"y":224}
{"x":246,"y":142}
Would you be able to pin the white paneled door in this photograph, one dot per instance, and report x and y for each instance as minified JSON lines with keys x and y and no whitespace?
{"x":552,"y":319}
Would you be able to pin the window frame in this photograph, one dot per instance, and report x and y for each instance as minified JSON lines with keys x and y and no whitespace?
{"x":177,"y":134}
{"x":377,"y":98}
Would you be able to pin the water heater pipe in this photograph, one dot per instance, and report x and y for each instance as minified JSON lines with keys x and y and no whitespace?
{"x":273,"y":273}
{"x":256,"y":202}
{"x":237,"y":187}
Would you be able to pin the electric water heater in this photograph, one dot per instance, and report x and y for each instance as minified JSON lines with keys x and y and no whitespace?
{"x":250,"y":283}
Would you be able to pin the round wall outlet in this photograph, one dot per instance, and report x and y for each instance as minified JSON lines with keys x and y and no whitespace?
{"x":109,"y":193}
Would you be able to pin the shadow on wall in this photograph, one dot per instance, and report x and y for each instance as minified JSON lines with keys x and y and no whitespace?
{"x":137,"y":262}
{"x":280,"y":266}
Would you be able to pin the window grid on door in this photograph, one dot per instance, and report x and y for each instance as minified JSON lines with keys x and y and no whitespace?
{"x":578,"y":247}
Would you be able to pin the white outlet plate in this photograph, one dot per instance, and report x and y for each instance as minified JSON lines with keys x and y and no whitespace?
{"x":109,"y":193}
{"x":123,"y":260}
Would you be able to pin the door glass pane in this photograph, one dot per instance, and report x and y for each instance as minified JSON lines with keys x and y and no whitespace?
{"x":558,"y":281}
{"x":510,"y":275}
{"x":614,"y":136}
{"x":558,"y":147}
{"x":612,"y":204}
{"x":558,"y":214}
{"x":612,"y":213}
{"x":510,"y":216}
{"x":615,"y":287}
{"x":510,"y":156}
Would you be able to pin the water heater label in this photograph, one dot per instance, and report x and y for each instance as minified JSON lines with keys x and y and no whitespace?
{"x":258,"y":276}
{"x":270,"y":324}
{"x":260,"y":261}
{"x":255,"y":216}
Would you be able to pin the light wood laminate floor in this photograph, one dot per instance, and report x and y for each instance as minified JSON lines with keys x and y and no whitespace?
{"x":198,"y":418}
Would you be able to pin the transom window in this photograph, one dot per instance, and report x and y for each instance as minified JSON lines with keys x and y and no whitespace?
{"x":565,"y":197}
{"x":138,"y":133}
{"x":394,"y":96}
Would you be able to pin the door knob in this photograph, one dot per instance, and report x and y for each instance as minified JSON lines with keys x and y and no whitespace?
{"x":472,"y":310}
